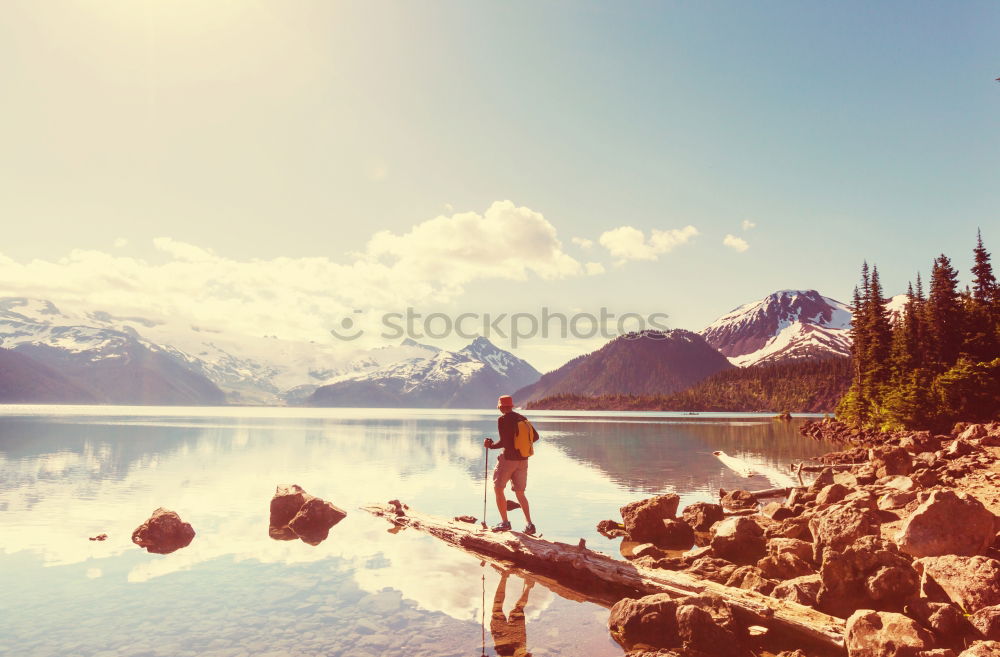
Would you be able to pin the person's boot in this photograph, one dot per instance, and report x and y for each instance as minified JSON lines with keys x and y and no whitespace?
{"x":530,"y":529}
{"x":503,"y":526}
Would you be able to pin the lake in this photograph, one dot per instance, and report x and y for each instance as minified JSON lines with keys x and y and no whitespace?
{"x":68,"y":473}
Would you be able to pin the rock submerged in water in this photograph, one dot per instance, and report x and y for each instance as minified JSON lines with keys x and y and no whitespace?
{"x":164,"y":532}
{"x":643,"y":519}
{"x":297,"y":514}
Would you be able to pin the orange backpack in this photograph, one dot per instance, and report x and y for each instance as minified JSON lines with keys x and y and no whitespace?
{"x":524,"y":437}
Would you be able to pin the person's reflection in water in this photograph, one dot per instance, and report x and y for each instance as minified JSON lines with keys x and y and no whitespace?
{"x":509,"y":634}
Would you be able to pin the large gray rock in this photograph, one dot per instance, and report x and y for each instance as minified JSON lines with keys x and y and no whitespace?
{"x":970,"y":582}
{"x":752,"y":579}
{"x":947,"y":523}
{"x":885,"y":634}
{"x":890,"y":460}
{"x":164,"y":532}
{"x":643,"y":519}
{"x":707,"y":626}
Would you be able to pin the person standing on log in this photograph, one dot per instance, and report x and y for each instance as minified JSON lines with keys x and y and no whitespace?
{"x":516,"y":439}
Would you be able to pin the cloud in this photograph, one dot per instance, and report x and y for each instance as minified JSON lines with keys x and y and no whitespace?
{"x":736,"y":243}
{"x":582,"y":242}
{"x":747,"y":224}
{"x":121,"y":243}
{"x":594,"y":268}
{"x":301,"y":298}
{"x":628,"y":243}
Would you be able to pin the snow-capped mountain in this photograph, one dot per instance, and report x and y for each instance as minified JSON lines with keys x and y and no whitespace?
{"x":785,"y":325}
{"x":110,"y":365}
{"x":468,"y":378}
{"x":248,"y":369}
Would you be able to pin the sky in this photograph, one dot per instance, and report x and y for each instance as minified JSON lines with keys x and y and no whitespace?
{"x":276,"y":167}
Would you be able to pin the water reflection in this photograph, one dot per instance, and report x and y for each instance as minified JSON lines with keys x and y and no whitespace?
{"x":508,"y":630}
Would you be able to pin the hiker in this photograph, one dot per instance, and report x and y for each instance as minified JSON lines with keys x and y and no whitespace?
{"x":512,"y":464}
{"x":510,"y":636}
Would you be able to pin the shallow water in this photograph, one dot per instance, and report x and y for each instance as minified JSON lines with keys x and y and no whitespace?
{"x":71,"y":472}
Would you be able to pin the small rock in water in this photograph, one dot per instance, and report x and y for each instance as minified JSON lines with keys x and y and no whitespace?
{"x":163,"y":533}
{"x":297,"y":514}
{"x":99,"y":537}
{"x":468,"y":519}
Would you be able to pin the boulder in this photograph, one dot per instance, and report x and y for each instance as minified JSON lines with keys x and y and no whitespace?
{"x":895,"y":500}
{"x":970,"y":582}
{"x":890,"y":460}
{"x":959,"y":447}
{"x":982,"y":649}
{"x":850,"y":577}
{"x":738,"y":500}
{"x":677,"y":535}
{"x":885,"y":634}
{"x":738,"y":539}
{"x":313,"y":521}
{"x":650,"y":621}
{"x":797,"y":527}
{"x":643,"y":519}
{"x":310,"y":521}
{"x":164,"y":532}
{"x":706,"y":625}
{"x":930,"y":530}
{"x":784,"y":566}
{"x":920,"y":441}
{"x":897,"y":482}
{"x":803,"y":590}
{"x":892,"y":583}
{"x":839,"y":526}
{"x":287,"y":500}
{"x":712,"y":569}
{"x":987,"y":622}
{"x":832,"y":494}
{"x":702,"y":515}
{"x":752,"y":579}
{"x":779,"y":546}
{"x":777,"y":511}
{"x":945,"y":619}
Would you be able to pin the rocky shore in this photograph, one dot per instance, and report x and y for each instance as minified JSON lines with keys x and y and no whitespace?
{"x":897,"y":535}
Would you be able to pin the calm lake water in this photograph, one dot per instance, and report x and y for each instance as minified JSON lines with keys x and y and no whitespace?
{"x":71,"y":472}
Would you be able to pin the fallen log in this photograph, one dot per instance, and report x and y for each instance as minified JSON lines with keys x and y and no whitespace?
{"x":597,"y":574}
{"x":830,"y":466}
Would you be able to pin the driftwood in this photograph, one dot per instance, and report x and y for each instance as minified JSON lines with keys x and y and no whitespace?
{"x":603,"y":578}
{"x":771,"y":492}
{"x":830,"y":466}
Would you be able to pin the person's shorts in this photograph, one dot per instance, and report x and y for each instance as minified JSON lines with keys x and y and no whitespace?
{"x":510,"y":470}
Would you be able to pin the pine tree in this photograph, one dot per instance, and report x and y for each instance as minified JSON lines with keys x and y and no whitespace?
{"x":984,"y":284}
{"x":944,"y":315}
{"x":878,"y":333}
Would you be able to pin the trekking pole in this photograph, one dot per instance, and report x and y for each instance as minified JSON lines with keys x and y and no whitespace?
{"x":486,"y":472}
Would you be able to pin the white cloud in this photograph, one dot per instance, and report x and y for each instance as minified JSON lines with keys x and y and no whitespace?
{"x":747,"y":224}
{"x":594,"y":268}
{"x":301,"y":298}
{"x":628,"y":243}
{"x":121,"y":243}
{"x":736,"y":243}
{"x":582,"y":242}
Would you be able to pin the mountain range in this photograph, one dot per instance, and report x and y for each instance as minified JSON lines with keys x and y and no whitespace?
{"x":49,"y":354}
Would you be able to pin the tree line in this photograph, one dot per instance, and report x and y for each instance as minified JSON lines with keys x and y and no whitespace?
{"x":932,"y":363}
{"x":805,"y":386}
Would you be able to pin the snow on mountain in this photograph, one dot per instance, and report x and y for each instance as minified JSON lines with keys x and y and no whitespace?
{"x":470,"y":377}
{"x":785,"y":325}
{"x":895,"y":307}
{"x":249,"y":369}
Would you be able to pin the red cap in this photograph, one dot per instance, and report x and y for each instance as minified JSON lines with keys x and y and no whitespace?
{"x":505,"y":401}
